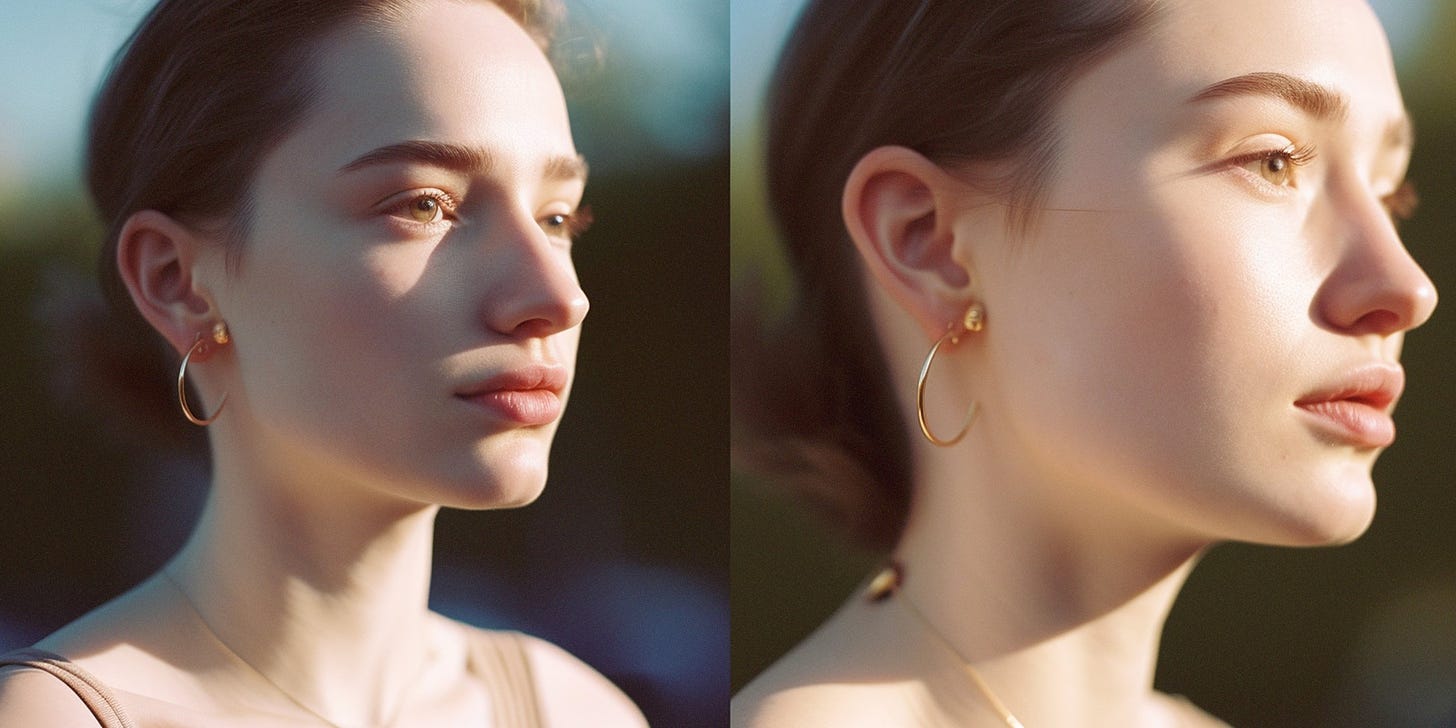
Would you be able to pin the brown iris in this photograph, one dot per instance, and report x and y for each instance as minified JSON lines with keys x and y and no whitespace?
{"x":425,"y":209}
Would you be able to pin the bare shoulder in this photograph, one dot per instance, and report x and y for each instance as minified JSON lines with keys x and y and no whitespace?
{"x":131,"y":643}
{"x":31,"y":697}
{"x":819,"y":705}
{"x":572,"y":693}
{"x":836,"y":677}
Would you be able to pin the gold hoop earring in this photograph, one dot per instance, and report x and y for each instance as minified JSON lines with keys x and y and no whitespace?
{"x":973,"y":321}
{"x":219,"y":336}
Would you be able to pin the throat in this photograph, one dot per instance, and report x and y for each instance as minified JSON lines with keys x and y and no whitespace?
{"x":329,"y":611}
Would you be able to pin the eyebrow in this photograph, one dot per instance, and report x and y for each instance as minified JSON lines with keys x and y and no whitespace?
{"x":1318,"y":101}
{"x":460,"y":158}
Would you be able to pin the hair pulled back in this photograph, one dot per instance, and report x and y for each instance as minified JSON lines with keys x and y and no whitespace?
{"x":961,"y":82}
{"x":202,"y":91}
{"x":198,"y":95}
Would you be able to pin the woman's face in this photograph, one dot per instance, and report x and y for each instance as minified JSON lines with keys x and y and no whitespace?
{"x":1215,"y":338}
{"x":406,"y":312}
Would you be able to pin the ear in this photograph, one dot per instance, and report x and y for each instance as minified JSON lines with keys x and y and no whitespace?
{"x":157,"y":257}
{"x":900,"y":210}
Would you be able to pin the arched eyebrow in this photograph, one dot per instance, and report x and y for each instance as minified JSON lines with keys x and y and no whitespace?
{"x":460,"y":158}
{"x":1314,"y":99}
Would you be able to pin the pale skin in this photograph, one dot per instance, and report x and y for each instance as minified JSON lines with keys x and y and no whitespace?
{"x":358,"y":314}
{"x":1145,"y":348}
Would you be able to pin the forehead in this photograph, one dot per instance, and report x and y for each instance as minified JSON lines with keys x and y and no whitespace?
{"x":1338,"y":43}
{"x":1194,"y":44}
{"x":458,"y":72}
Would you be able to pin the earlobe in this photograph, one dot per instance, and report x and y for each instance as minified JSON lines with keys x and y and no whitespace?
{"x":156,"y":256}
{"x":899,"y":208}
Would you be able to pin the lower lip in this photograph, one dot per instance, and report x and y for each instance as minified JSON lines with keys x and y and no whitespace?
{"x":524,"y":406}
{"x":1353,"y":423}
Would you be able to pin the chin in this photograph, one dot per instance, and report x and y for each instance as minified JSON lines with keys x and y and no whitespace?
{"x":493,"y":496}
{"x":1330,"y":511}
{"x":485,"y":492}
{"x":499,"y":475}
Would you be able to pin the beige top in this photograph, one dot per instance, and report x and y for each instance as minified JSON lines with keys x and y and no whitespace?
{"x":500,"y":658}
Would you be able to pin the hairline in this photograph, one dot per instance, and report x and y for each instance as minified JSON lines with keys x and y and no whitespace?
{"x":236,"y":225}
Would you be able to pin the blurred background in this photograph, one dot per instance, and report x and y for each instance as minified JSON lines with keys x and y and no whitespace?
{"x":1362,"y":635}
{"x":623,"y":560}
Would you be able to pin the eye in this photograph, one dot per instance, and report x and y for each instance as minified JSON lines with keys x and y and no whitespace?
{"x":567,"y":226}
{"x":426,"y":207}
{"x":1402,"y":202}
{"x":1276,"y":166}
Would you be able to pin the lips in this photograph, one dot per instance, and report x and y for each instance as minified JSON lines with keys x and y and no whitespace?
{"x":1355,"y":408}
{"x":528,"y":396}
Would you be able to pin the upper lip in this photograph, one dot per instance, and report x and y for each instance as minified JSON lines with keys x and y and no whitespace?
{"x":1377,"y":385}
{"x":519,"y":379}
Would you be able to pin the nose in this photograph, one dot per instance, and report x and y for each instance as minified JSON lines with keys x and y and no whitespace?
{"x":1377,"y":287}
{"x":534,"y":290}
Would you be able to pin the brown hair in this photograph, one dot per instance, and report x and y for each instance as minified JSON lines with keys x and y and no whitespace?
{"x":960,"y":82}
{"x":196,"y":98}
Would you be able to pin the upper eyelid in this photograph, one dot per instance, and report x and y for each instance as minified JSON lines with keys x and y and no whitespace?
{"x":1215,"y":131}
{"x":1402,"y":200}
{"x":1268,"y":139}
{"x":557,"y":201}
{"x":1297,"y":154}
{"x":1236,"y":165}
{"x":1226,"y":160}
{"x":398,"y":199}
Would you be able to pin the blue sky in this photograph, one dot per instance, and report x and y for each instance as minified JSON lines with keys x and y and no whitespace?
{"x":53,"y":52}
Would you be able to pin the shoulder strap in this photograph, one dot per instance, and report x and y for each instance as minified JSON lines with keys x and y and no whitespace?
{"x":98,"y":698}
{"x":502,"y":660}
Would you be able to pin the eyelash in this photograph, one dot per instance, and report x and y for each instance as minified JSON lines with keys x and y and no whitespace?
{"x":567,"y":226}
{"x":1400,"y":204}
{"x":447,"y":206}
{"x":1294,"y":157}
{"x":572,"y":224}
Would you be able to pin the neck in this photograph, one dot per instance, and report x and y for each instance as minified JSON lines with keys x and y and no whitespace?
{"x":1060,"y":618}
{"x":320,"y":588}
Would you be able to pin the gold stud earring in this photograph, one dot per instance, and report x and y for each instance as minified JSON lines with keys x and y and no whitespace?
{"x":974,"y":320}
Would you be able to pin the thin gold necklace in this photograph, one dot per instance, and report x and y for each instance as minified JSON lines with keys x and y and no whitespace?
{"x":398,"y":709}
{"x":888,"y":583}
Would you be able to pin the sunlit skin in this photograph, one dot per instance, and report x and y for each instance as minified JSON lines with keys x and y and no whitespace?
{"x":404,"y":321}
{"x":419,"y":303}
{"x":1214,"y":257}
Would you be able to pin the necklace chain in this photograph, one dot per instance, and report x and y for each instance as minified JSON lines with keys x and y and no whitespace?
{"x":398,"y":709}
{"x":890,"y":582}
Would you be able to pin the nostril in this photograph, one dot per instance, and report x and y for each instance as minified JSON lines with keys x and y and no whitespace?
{"x":1380,"y":321}
{"x":536,"y":328}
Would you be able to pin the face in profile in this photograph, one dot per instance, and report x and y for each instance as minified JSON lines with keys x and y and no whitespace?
{"x":1209,"y":318}
{"x":405,"y":311}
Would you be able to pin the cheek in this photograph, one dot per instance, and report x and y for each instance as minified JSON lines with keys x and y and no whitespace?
{"x":322,"y":331}
{"x":1104,"y":303}
{"x":1149,"y":345}
{"x":391,"y":272}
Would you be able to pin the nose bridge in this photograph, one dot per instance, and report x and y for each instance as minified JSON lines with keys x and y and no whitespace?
{"x":1376,"y":286}
{"x":535,"y":291}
